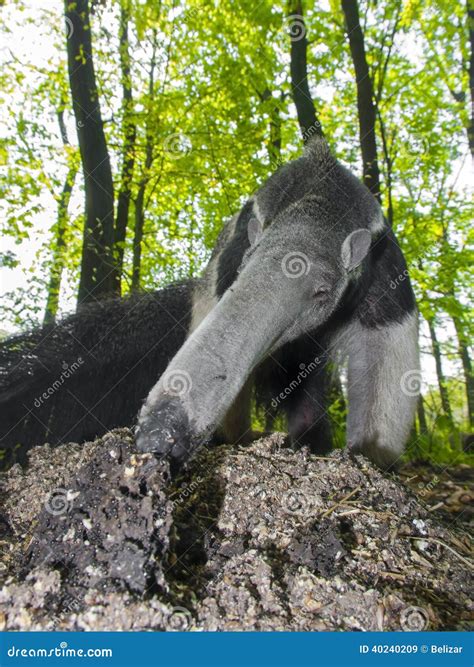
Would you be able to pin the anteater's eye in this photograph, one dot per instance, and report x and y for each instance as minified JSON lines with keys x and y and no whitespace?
{"x":321,"y":292}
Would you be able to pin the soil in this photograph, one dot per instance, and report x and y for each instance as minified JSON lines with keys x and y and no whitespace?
{"x":99,"y":537}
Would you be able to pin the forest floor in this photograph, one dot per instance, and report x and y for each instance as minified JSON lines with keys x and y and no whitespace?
{"x":98,"y":537}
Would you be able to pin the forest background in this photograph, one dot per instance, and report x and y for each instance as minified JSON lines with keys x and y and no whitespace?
{"x":181,"y":109}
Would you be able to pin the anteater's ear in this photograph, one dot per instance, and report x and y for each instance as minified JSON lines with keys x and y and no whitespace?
{"x":254,"y":230}
{"x":354,"y":248}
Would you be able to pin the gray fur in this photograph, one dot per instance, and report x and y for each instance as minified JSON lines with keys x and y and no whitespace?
{"x":383,"y":363}
{"x":317,"y":240}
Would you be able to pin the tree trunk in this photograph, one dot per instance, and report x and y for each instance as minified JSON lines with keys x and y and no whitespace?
{"x":274,"y":145}
{"x":274,"y":142}
{"x":307,"y":119}
{"x":443,"y":390}
{"x":138,"y":236}
{"x":388,"y":166}
{"x":467,"y":368}
{"x":365,"y":97}
{"x":140,"y":200}
{"x":129,"y":132}
{"x":422,"y":416}
{"x":97,"y":263}
{"x":57,"y":266}
{"x":470,"y":22}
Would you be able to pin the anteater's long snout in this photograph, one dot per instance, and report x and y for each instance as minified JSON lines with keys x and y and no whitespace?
{"x":201,"y":382}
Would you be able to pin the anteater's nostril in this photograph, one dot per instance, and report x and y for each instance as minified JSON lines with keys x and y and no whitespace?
{"x":164,"y":430}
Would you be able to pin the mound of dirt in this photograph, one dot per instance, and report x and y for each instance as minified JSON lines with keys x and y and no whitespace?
{"x":98,"y":537}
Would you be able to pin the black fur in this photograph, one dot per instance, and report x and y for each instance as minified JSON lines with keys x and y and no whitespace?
{"x":382,"y":294}
{"x":124,"y":345}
